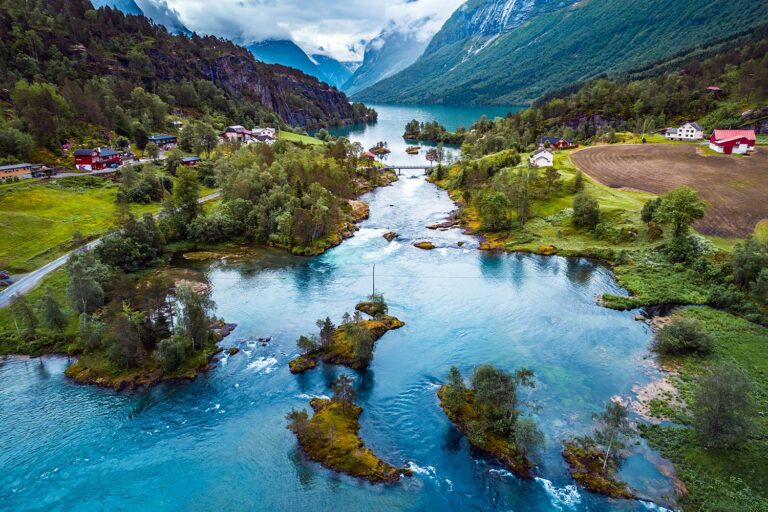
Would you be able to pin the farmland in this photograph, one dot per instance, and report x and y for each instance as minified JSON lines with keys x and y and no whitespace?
{"x":732,"y":186}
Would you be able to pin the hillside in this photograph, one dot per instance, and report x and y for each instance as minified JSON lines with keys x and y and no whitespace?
{"x":71,"y":72}
{"x":391,"y":51}
{"x":551,"y":49}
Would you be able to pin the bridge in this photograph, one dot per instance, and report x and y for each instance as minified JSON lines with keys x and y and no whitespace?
{"x":398,"y":168}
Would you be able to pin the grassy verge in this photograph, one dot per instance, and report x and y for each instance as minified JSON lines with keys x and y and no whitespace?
{"x":719,"y":479}
{"x":295,"y":137}
{"x":38,"y":219}
{"x":45,"y":339}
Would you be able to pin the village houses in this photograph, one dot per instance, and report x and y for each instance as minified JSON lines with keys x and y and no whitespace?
{"x":96,"y":159}
{"x":542,"y":158}
{"x":686,"y":131}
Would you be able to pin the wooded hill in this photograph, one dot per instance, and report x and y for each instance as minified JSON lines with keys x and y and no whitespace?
{"x":644,"y":101}
{"x":66,"y":68}
{"x":573,"y":44}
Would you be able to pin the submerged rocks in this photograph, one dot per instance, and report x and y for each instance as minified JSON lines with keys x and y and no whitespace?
{"x":426,"y":245}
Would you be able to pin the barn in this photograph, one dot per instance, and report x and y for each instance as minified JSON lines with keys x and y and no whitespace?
{"x":736,"y":142}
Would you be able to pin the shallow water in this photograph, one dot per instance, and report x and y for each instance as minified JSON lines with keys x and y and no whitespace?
{"x":221,"y":443}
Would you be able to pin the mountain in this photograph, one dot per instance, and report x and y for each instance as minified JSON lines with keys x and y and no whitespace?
{"x":126,"y":6}
{"x":130,"y":87}
{"x":156,"y":10}
{"x":391,"y":51}
{"x":286,"y":53}
{"x":512,"y":51}
{"x":334,"y":72}
{"x":161,"y":13}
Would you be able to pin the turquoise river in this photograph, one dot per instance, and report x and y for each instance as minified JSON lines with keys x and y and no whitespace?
{"x":220,"y":442}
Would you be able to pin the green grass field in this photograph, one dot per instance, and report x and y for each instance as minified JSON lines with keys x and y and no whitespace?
{"x":295,"y":137}
{"x":721,"y":479}
{"x":37,"y":219}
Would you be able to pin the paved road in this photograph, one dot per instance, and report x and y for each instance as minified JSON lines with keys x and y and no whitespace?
{"x":29,"y":281}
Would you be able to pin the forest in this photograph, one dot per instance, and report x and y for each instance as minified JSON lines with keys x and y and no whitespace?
{"x":70,"y":73}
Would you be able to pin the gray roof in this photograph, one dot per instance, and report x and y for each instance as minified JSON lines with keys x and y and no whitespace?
{"x":697,"y":126}
{"x":83,"y":152}
{"x":14,"y":167}
{"x":161,"y":136}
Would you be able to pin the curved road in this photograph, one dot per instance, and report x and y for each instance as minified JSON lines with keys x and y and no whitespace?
{"x":29,"y":281}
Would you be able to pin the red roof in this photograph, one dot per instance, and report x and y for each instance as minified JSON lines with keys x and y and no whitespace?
{"x":720,"y":135}
{"x":370,"y":155}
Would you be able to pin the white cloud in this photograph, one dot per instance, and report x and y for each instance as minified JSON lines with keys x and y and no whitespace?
{"x":337,"y":28}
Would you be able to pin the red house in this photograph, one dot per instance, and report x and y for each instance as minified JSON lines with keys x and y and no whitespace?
{"x":733,"y":142}
{"x":96,"y":159}
{"x":556,"y":142}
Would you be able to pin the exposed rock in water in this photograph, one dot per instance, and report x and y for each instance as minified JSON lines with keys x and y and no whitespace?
{"x":390,"y":235}
{"x":427,"y":246}
{"x":233,"y":350}
{"x":222,"y":330}
{"x":360,"y":210}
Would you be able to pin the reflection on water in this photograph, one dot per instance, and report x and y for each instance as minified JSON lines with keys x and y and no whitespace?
{"x":221,"y":443}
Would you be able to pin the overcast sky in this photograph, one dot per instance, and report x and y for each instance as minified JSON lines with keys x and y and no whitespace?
{"x":338,"y":28}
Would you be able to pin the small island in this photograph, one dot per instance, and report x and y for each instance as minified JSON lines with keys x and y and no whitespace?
{"x":488,"y":414}
{"x":594,"y":459}
{"x":330,"y":437}
{"x":351,"y":343}
{"x":157,"y":330}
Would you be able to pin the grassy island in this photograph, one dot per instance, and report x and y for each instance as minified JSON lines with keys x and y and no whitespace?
{"x":330,"y":437}
{"x":350,"y":344}
{"x":488,"y":414}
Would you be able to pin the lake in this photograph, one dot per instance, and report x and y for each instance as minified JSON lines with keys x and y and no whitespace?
{"x":220,"y":442}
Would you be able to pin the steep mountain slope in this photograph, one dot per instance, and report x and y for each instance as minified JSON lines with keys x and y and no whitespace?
{"x":553,"y":48}
{"x":97,"y":60}
{"x":333,"y":71}
{"x":391,"y":51}
{"x":490,"y":18}
{"x":286,"y":53}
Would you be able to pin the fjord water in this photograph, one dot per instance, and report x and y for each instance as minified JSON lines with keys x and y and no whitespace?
{"x":220,"y":442}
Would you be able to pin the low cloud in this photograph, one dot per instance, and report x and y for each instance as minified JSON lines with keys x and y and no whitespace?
{"x":338,"y":29}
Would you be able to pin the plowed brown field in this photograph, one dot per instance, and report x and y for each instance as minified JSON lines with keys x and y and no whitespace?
{"x":734,"y":188}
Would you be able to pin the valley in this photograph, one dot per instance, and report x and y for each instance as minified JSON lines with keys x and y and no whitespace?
{"x":529,"y":272}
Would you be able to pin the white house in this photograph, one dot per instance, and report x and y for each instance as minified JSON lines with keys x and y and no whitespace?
{"x":542,"y":158}
{"x":687,"y":131}
{"x":266,"y":135}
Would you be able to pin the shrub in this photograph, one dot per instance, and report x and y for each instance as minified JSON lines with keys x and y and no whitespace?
{"x":170,"y":352}
{"x":586,"y":211}
{"x":684,"y":336}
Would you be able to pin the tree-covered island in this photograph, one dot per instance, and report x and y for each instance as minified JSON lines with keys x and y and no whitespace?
{"x":490,"y":413}
{"x":352,"y":342}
